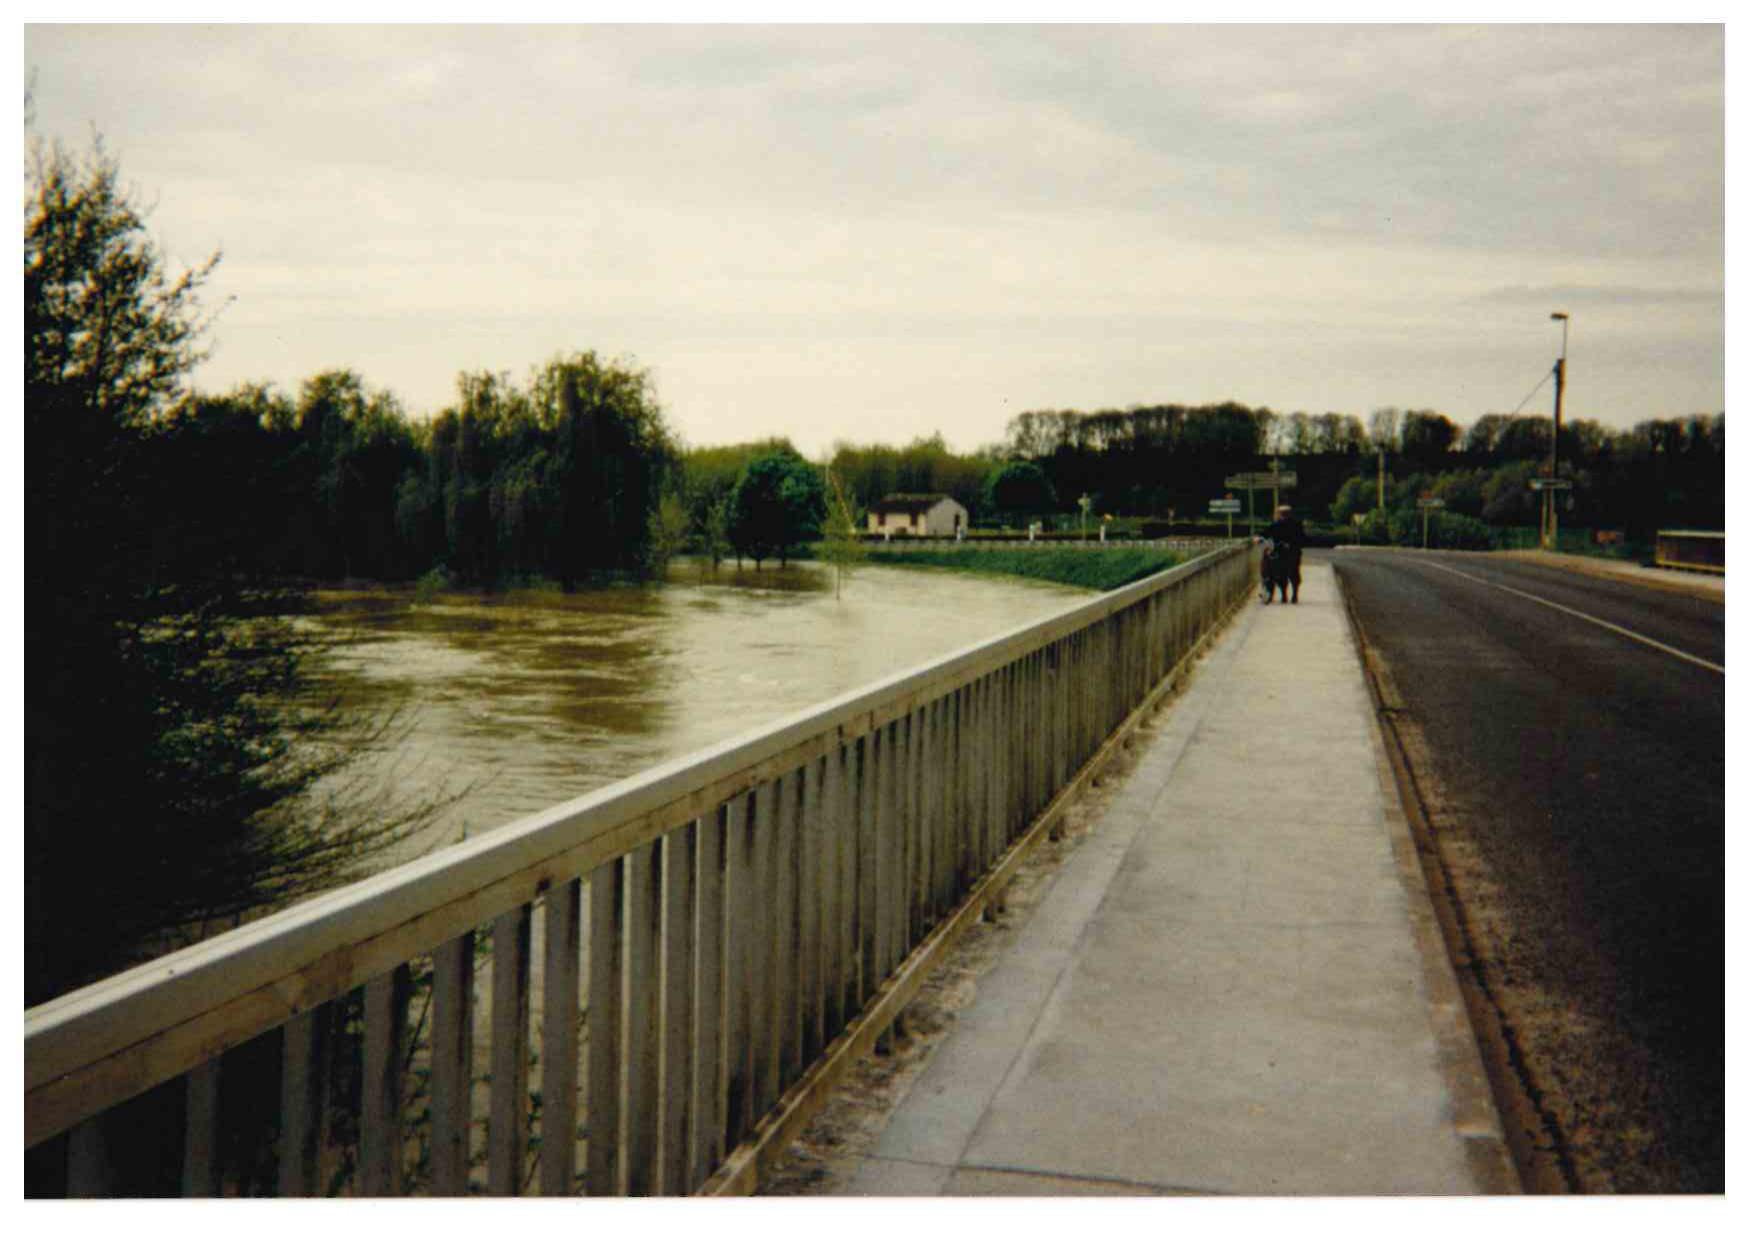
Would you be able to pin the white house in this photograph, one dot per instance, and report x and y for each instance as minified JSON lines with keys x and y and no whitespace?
{"x":939,"y":516}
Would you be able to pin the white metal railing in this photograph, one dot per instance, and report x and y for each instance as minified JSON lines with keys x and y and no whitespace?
{"x":662,"y":959}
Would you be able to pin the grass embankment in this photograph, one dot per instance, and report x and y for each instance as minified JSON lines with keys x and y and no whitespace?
{"x":1094,"y":568}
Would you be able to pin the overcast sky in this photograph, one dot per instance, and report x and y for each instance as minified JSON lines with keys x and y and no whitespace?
{"x":874,"y":233}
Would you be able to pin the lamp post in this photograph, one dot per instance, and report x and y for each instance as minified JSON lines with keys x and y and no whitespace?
{"x":1550,"y":496}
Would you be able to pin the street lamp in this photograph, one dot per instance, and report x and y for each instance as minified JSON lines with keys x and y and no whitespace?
{"x":1551,"y":526}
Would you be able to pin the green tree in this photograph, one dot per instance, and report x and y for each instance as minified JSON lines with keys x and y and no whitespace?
{"x":1427,"y":437}
{"x":161,"y":769}
{"x":1359,"y":494}
{"x":667,"y":532}
{"x":612,"y":454}
{"x":713,"y":536}
{"x":840,"y":547}
{"x":1020,"y":487}
{"x":1507,"y":498}
{"x":1462,"y":491}
{"x":777,"y":505}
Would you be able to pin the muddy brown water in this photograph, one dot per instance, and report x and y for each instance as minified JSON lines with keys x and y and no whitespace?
{"x":508,"y":704}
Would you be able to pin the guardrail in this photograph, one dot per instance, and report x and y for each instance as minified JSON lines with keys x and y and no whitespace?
{"x":737,"y":921}
{"x":1700,"y":551}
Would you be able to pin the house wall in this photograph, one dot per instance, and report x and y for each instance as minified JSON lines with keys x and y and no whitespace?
{"x":938,"y":521}
{"x":896,"y":522}
{"x":946,"y":519}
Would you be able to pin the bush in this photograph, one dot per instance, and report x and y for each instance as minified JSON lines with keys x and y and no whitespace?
{"x":1456,"y":532}
{"x":435,"y":581}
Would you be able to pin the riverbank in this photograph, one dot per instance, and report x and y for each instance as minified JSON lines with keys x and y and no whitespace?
{"x":1091,"y":568}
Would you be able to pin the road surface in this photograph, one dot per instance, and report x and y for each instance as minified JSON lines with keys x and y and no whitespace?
{"x":1565,"y":738}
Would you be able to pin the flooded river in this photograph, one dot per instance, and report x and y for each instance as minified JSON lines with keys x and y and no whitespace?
{"x":512,"y":703}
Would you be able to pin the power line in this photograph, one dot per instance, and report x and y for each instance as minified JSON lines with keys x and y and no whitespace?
{"x":1533,"y":391}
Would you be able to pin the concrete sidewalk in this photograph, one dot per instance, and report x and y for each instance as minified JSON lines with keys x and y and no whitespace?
{"x":1235,"y":983}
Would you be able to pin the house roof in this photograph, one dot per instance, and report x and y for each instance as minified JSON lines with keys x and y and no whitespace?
{"x":911,"y":504}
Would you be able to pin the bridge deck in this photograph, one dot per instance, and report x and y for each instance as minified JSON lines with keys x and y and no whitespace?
{"x":1235,"y":984}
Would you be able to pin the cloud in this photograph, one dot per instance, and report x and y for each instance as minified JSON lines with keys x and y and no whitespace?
{"x":1555,"y":295}
{"x":1295,"y":215}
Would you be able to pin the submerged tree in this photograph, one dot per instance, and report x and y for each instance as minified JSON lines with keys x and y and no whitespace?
{"x":162,"y":759}
{"x":839,"y":545}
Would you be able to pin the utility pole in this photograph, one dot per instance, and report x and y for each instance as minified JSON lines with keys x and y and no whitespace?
{"x":1550,"y":496}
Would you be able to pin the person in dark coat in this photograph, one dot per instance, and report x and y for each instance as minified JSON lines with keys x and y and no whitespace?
{"x":1287,"y":533}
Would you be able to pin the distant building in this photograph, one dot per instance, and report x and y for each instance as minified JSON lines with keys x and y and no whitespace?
{"x":939,"y":516}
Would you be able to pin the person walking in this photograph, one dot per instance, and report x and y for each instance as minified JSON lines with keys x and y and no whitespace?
{"x":1287,"y":533}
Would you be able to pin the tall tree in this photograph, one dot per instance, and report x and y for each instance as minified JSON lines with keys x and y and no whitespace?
{"x":159,"y":766}
{"x":611,"y":456}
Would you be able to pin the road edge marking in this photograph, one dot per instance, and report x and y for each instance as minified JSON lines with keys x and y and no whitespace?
{"x":1573,"y":611}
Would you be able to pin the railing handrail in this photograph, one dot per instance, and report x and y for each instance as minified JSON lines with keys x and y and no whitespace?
{"x":230,"y":988}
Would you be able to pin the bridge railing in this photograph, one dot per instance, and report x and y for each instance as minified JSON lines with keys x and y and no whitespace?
{"x":620,"y":995}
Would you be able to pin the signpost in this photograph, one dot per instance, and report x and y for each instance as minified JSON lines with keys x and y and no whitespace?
{"x":1427,"y":504}
{"x":1229,"y":505}
{"x":1276,"y":480}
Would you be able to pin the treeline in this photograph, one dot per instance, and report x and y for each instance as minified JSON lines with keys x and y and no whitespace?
{"x":557,"y":478}
{"x":574,"y":476}
{"x":1167,"y":461}
{"x":1158,"y":459}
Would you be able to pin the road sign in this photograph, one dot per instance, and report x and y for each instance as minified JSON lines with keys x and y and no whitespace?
{"x":1225,"y":505}
{"x":1264,"y":480}
{"x":1550,"y":484}
{"x":1429,"y":502}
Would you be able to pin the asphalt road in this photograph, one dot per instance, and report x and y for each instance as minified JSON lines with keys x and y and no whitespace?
{"x":1566,"y":736}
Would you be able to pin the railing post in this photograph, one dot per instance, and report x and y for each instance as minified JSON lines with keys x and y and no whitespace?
{"x":919,"y":823}
{"x":787,"y":1043}
{"x":558,"y":1040}
{"x":303,"y":1100}
{"x":812,"y":886}
{"x":606,"y":1005}
{"x":509,"y":1097}
{"x":870,"y":818}
{"x":892,"y":886}
{"x":737,"y":973}
{"x":200,"y":1154}
{"x":89,"y":1173}
{"x":679,"y":940}
{"x":762,"y":970}
{"x":452,"y":1066}
{"x":642,"y":1105}
{"x":380,"y":1134}
{"x":840,"y":935}
{"x":708,"y":1146}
